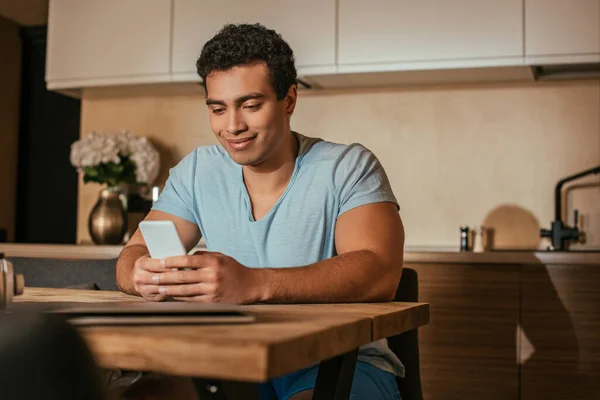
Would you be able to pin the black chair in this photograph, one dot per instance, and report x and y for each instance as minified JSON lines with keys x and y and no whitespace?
{"x":406,"y":345}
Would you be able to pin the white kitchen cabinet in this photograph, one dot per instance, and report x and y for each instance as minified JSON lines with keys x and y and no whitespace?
{"x":308,"y":26}
{"x":562,"y":31}
{"x":92,"y":43}
{"x":424,"y":34}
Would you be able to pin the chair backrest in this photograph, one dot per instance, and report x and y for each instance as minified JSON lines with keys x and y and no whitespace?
{"x":406,"y":345}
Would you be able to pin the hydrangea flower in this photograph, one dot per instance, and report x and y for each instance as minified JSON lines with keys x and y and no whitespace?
{"x":114,"y":158}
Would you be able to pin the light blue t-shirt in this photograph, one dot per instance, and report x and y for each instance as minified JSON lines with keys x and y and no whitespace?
{"x":207,"y":188}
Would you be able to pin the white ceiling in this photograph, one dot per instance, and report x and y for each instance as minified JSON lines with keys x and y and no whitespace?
{"x":25,"y":12}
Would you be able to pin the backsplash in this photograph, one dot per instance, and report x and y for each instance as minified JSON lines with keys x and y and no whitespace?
{"x":473,"y":154}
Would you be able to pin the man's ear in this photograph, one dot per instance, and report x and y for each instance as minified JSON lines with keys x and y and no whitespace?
{"x":290,"y":99}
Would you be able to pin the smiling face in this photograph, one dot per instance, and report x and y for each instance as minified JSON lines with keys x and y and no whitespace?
{"x":245,"y":115}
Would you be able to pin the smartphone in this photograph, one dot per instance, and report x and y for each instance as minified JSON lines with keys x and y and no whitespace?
{"x":162,"y":239}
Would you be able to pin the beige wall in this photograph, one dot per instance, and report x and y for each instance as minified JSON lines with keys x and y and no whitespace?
{"x":478,"y":154}
{"x":10,"y":70}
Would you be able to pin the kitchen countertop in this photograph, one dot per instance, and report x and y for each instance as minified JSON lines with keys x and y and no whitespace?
{"x":428,"y":255}
{"x":504,"y":257}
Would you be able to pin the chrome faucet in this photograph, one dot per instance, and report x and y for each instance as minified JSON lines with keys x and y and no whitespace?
{"x":559,"y":232}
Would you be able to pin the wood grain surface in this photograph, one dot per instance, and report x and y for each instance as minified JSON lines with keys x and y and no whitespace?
{"x":284,"y":338}
{"x":389,"y":319}
{"x":469,"y":349}
{"x":561,"y":320}
{"x":33,"y":294}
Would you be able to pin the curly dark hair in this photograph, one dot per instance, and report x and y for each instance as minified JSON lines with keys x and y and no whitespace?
{"x":242,"y":44}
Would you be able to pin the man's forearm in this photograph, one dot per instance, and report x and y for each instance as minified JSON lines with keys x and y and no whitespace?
{"x":358,"y":276}
{"x":125,"y":265}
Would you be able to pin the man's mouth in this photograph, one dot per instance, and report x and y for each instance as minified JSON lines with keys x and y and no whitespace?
{"x":239,"y":144}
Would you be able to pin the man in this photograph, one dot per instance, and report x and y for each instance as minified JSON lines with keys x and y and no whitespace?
{"x":286,"y":218}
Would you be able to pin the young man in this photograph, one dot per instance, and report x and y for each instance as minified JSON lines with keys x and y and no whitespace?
{"x":286,"y":218}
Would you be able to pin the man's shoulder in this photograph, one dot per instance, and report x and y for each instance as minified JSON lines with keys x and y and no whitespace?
{"x":325,"y":151}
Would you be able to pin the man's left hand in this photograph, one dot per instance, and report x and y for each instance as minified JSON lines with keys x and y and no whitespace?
{"x":214,"y":278}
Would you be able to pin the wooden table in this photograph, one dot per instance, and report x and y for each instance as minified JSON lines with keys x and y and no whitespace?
{"x":283,"y":339}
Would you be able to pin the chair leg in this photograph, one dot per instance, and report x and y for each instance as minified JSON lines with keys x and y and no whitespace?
{"x":334,"y":380}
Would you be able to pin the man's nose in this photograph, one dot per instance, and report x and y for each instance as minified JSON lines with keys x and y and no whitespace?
{"x":236,"y":123}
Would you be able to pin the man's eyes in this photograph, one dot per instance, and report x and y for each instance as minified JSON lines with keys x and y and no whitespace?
{"x":251,"y":107}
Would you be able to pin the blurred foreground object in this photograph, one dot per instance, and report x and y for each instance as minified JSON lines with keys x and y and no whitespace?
{"x":43,"y":357}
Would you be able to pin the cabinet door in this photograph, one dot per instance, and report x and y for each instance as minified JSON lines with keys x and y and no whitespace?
{"x":421,"y":31}
{"x":469,"y":349}
{"x":108,"y":41}
{"x":308,"y":26}
{"x":561,"y":325}
{"x":562,"y":30}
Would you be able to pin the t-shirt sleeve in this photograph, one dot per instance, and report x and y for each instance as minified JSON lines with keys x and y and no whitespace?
{"x":177,"y":197}
{"x":361,"y":179}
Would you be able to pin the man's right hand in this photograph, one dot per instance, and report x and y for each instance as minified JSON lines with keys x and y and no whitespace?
{"x":146,"y":270}
{"x":135,"y":268}
{"x":134,"y":263}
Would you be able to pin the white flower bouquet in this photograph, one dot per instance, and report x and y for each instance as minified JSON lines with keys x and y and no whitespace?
{"x":114,"y":158}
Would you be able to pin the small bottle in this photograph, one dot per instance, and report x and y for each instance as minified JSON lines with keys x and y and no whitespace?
{"x":464,"y":238}
{"x":479,"y":239}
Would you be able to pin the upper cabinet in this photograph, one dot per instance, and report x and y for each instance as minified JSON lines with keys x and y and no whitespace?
{"x":93,"y":42}
{"x":413,"y":34}
{"x":562,"y":31}
{"x":308,"y":26}
{"x":336,"y":43}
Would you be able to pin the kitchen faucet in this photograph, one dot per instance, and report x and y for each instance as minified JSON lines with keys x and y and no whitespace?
{"x":560,"y":232}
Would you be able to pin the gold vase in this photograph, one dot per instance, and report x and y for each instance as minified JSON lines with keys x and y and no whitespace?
{"x":108,"y":220}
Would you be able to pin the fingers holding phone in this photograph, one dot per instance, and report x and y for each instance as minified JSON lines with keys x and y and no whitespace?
{"x":215,"y":278}
{"x":145,"y":273}
{"x":169,"y":272}
{"x":154,"y":279}
{"x":163,"y":242}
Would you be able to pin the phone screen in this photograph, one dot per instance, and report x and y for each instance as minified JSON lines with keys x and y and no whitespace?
{"x":162,"y":239}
